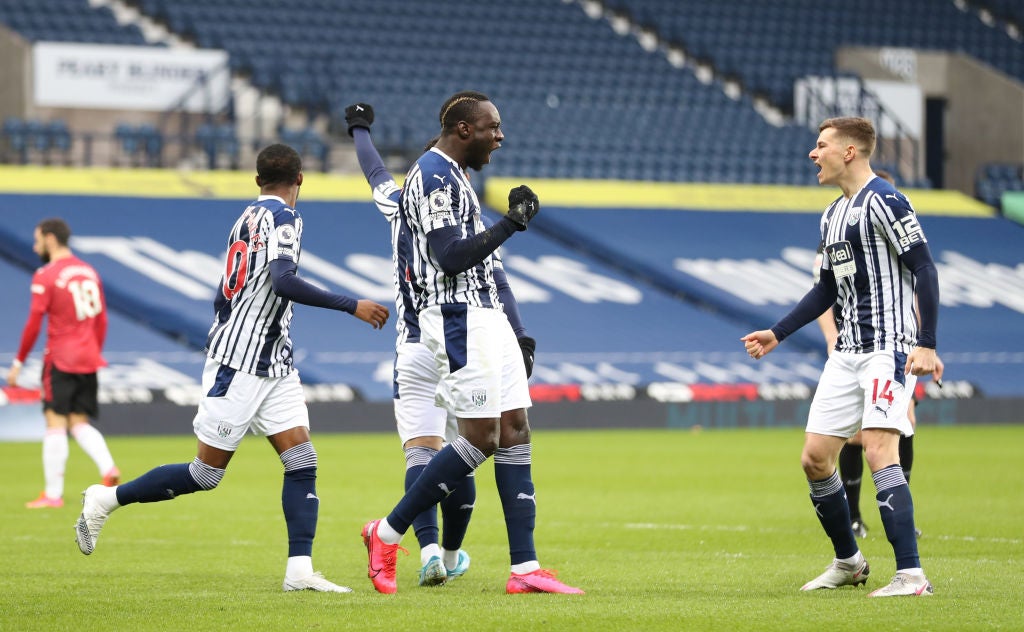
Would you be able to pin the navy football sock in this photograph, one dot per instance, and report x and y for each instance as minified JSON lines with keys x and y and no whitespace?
{"x":456,"y":510}
{"x":301,"y":509}
{"x":518,"y":500}
{"x":851,"y":469}
{"x":167,"y":481}
{"x":298,"y":498}
{"x":445,"y":472}
{"x":897,"y":510}
{"x":424,"y":525}
{"x":834,"y":514}
{"x":907,"y":456}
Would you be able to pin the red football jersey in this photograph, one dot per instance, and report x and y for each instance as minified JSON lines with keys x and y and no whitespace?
{"x":70,"y":294}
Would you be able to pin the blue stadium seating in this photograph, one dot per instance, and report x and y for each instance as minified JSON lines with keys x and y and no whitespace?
{"x":307,"y":142}
{"x":563,"y":81}
{"x":769,"y":44}
{"x":43,"y":138}
{"x":141,"y":144}
{"x":218,"y":141}
{"x":1011,"y":11}
{"x":15,"y":136}
{"x":559,"y":77}
{"x":994,"y":179}
{"x":67,"y":21}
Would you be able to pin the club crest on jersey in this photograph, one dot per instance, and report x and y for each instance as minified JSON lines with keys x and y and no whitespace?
{"x":439,"y":201}
{"x":854,"y":216}
{"x":223,"y":430}
{"x":479,"y":397}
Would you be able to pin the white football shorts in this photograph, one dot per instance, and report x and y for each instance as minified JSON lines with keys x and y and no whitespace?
{"x":416,"y":413}
{"x":234,"y":402}
{"x":862,"y":390}
{"x":478,"y":358}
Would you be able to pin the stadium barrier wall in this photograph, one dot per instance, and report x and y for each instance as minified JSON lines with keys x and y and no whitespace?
{"x":25,"y":423}
{"x":580,"y":331}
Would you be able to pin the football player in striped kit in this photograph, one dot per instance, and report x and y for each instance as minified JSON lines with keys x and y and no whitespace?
{"x":424,"y":427}
{"x":877,"y":257}
{"x":851,"y":459}
{"x":249,"y":381}
{"x":480,"y":363}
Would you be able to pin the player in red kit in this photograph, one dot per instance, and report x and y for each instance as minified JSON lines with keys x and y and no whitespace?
{"x":69,"y":292}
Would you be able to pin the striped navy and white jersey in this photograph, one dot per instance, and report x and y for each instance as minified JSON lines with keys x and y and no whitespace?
{"x":386,"y":196}
{"x":863,"y":239}
{"x":251,"y":323}
{"x":437,"y":194}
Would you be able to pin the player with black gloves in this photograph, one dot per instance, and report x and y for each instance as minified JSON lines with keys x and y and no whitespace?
{"x":482,"y":378}
{"x":422,"y":426}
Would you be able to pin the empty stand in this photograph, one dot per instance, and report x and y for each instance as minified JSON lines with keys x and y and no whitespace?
{"x":994,"y":179}
{"x":769,"y":44}
{"x":578,"y":98}
{"x":67,"y":21}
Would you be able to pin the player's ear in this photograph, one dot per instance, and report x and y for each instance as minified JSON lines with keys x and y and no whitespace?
{"x":259,"y":182}
{"x":298,"y":180}
{"x":464,"y":131}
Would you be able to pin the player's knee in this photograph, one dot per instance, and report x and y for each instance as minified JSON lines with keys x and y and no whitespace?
{"x":488,"y":446}
{"x":487,"y":443}
{"x":815,"y":466}
{"x":417,"y":455}
{"x":483,"y":434}
{"x":299,"y":457}
{"x":205,"y":476}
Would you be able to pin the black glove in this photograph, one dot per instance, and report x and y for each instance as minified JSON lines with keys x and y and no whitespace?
{"x":523,"y":205}
{"x":528,"y":345}
{"x":358,"y":115}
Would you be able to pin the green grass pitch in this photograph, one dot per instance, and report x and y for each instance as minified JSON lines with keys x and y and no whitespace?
{"x":665,"y":530}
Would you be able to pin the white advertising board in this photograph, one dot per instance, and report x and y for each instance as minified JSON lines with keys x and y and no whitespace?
{"x":128,"y":77}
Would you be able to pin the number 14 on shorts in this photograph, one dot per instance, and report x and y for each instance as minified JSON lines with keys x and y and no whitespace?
{"x":883,"y":392}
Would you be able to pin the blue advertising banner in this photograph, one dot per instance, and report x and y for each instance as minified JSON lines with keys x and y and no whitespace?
{"x":623,"y":303}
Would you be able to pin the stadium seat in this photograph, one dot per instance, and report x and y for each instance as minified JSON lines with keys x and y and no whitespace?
{"x":152,"y":143}
{"x":15,"y":135}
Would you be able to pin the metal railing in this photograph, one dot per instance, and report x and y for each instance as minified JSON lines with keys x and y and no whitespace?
{"x":896,"y":146}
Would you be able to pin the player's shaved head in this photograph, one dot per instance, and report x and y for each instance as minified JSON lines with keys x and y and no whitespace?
{"x":278,"y":164}
{"x":461,"y":106}
{"x":860,"y":131}
{"x":56,"y":227}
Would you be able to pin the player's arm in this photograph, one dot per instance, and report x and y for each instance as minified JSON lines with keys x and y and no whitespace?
{"x":511,"y":308}
{"x":922,"y":359}
{"x":100,"y":322}
{"x":369,"y":158}
{"x":926,"y":280}
{"x":508,"y":300}
{"x":456,"y":254}
{"x":287,"y":284}
{"x":810,"y":307}
{"x":30,"y":333}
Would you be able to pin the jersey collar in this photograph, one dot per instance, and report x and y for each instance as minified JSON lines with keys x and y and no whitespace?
{"x":446,"y":157}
